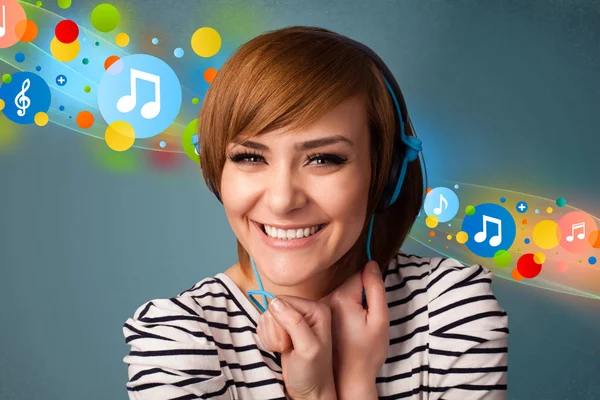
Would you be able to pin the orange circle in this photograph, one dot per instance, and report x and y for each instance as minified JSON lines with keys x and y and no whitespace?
{"x":27,"y":30}
{"x":516,"y":275}
{"x":110,"y":61}
{"x":432,"y":233}
{"x":210,"y":74}
{"x":428,"y":190}
{"x":85,"y":119}
{"x":525,"y":221}
{"x":595,"y":239}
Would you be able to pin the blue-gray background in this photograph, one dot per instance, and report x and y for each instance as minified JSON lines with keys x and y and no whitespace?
{"x":503,"y":93}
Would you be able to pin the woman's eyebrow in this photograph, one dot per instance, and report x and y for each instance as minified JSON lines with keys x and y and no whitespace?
{"x":310,"y":144}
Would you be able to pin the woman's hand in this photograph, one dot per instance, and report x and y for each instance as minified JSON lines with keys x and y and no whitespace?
{"x":307,"y":363}
{"x":360,"y":336}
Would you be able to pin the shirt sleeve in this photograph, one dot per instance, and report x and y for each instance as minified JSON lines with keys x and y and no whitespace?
{"x":468,"y":342}
{"x":173,"y":355}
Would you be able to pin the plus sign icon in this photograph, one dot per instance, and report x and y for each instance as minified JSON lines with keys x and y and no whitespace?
{"x":522,"y":207}
{"x":61,"y":80}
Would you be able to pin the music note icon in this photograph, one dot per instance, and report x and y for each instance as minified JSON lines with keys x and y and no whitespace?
{"x":494,"y":240}
{"x":3,"y":27}
{"x":438,"y":210}
{"x":575,"y":227}
{"x":127,"y":103}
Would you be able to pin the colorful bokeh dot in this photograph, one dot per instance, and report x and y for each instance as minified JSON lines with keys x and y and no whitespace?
{"x":64,"y":52}
{"x":516,"y":275}
{"x":527,"y":240}
{"x":502,"y":200}
{"x":206,"y":42}
{"x":549,"y":210}
{"x":537,"y":211}
{"x":162,"y":144}
{"x":524,"y":221}
{"x":195,"y":100}
{"x":38,"y":68}
{"x":66,"y":31}
{"x":592,"y":260}
{"x":462,"y":237}
{"x":27,"y":30}
{"x":97,"y":43}
{"x":19,"y":57}
{"x":527,"y":266}
{"x":594,"y":239}
{"x":545,"y":234}
{"x":122,"y":39}
{"x":40,"y":119}
{"x":87,"y":89}
{"x":562,"y":266}
{"x":38,"y":3}
{"x":7,"y":78}
{"x":119,"y":136}
{"x":155,"y":41}
{"x":432,"y":233}
{"x":502,"y":258}
{"x":561,"y":202}
{"x":470,"y":210}
{"x":449,"y":237}
{"x":64,"y":4}
{"x":105,"y":17}
{"x":2,"y":104}
{"x":431,"y":221}
{"x":211,"y":73}
{"x":85,"y":119}
{"x":110,"y":61}
{"x":178,"y":52}
{"x":456,"y":186}
{"x":539,"y":257}
{"x":85,"y":61}
{"x":61,"y":108}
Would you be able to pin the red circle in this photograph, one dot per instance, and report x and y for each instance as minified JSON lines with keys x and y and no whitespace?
{"x":66,"y":31}
{"x":527,"y":266}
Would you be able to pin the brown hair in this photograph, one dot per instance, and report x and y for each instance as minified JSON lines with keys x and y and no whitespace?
{"x":289,"y":79}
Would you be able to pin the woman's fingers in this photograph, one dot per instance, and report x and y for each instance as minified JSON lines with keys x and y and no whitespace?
{"x":376,"y":295}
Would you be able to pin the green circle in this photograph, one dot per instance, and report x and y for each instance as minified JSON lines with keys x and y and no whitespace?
{"x":85,"y":61}
{"x":195,"y":100}
{"x":97,"y":43}
{"x":561,"y":202}
{"x":470,"y":210}
{"x":64,"y":3}
{"x":186,"y":140}
{"x":7,"y":78}
{"x":38,"y":3}
{"x":105,"y":17}
{"x":502,"y":258}
{"x":87,"y":89}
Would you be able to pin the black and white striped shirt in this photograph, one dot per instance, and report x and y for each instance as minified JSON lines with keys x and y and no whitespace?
{"x":448,"y":339}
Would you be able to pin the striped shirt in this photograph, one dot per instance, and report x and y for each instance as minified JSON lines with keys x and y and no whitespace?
{"x":448,"y":339}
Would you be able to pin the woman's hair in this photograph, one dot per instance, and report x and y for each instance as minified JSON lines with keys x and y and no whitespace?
{"x":289,"y":79}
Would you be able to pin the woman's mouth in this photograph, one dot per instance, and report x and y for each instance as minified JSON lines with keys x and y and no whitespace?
{"x":289,"y":238}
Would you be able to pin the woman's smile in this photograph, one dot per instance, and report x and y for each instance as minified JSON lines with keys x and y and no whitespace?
{"x":290,"y":238}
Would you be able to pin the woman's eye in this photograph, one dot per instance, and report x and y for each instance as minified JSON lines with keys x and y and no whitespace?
{"x":321,"y":160}
{"x":326,"y":159}
{"x":245,"y":158}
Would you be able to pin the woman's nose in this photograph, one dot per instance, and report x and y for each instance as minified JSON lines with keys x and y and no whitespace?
{"x":285,"y":191}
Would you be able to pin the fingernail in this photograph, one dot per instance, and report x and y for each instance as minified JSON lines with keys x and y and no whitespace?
{"x":280,"y":346}
{"x":374,"y":268}
{"x":278,"y":305}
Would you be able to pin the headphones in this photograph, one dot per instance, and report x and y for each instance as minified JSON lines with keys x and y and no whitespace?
{"x":406,"y":149}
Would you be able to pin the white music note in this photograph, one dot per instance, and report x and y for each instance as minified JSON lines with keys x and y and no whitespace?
{"x":494,"y":240}
{"x":574,"y":227}
{"x":3,"y":27}
{"x":22,"y":101}
{"x":127,"y":103}
{"x":438,"y":210}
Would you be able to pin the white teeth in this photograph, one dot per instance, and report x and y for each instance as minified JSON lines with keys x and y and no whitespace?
{"x":290,"y":234}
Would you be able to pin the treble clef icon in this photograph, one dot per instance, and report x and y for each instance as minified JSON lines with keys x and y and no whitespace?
{"x":21,"y":101}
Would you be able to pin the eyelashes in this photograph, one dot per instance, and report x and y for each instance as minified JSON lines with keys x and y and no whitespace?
{"x":325,"y":159}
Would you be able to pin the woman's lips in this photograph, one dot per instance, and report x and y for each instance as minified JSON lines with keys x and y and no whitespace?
{"x":288,"y":244}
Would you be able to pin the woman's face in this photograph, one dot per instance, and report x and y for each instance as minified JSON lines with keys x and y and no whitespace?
{"x":292,"y":183}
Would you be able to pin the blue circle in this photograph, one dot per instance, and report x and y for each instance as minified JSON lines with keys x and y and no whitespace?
{"x":178,"y":52}
{"x":117,"y":91}
{"x":155,"y":41}
{"x":502,"y":200}
{"x":522,"y":207}
{"x":19,"y":57}
{"x":61,"y":80}
{"x":592,"y":260}
{"x":162,"y":144}
{"x":527,"y":240}
{"x":456,"y":186}
{"x":490,"y":228}
{"x":537,"y":211}
{"x":28,"y":94}
{"x":38,"y":68}
{"x":61,"y":108}
{"x":442,"y":203}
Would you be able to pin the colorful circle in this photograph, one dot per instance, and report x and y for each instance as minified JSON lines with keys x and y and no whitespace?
{"x":490,"y":228}
{"x":19,"y":57}
{"x":155,"y":41}
{"x":87,"y":89}
{"x":122,"y":39}
{"x":105,"y":17}
{"x":527,"y":240}
{"x":66,"y":31}
{"x":178,"y":52}
{"x":110,"y":61}
{"x":2,"y":104}
{"x":14,"y":15}
{"x":576,"y":227}
{"x":594,"y":239}
{"x":527,"y":266}
{"x":26,"y":95}
{"x":61,"y":80}
{"x":162,"y":144}
{"x":195,"y":100}
{"x":206,"y":42}
{"x":592,"y":260}
{"x":469,"y":210}
{"x":85,"y":119}
{"x":462,"y":237}
{"x":561,"y":202}
{"x":431,"y":221}
{"x":441,"y":203}
{"x":64,"y":4}
{"x":41,"y":119}
{"x":145,"y":92}
{"x":210,"y":74}
{"x":539,"y":257}
{"x":516,"y":275}
{"x":502,"y":258}
{"x":502,"y":199}
{"x":6,"y":78}
{"x":85,"y":61}
{"x":549,"y":210}
{"x":64,"y":52}
{"x":189,"y":141}
{"x":522,"y":207}
{"x":119,"y":136}
{"x":546,"y":234}
{"x":27,"y":30}
{"x":562,"y":266}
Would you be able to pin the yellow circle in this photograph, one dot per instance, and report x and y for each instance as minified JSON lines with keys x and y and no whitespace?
{"x":122,"y":39}
{"x":431,"y":221}
{"x":449,"y":237}
{"x":545,"y":234}
{"x":539,"y":257}
{"x":206,"y":42}
{"x":549,"y":210}
{"x":2,"y":104}
{"x":119,"y":136}
{"x":64,"y":52}
{"x":41,"y":118}
{"x":462,"y":237}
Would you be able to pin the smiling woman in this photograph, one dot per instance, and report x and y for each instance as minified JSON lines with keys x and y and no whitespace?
{"x":303,"y":140}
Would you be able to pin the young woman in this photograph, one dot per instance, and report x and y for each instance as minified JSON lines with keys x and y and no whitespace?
{"x":306,"y":142}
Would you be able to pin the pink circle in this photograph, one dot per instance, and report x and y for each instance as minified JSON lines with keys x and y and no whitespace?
{"x":575,"y":229}
{"x":14,"y":14}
